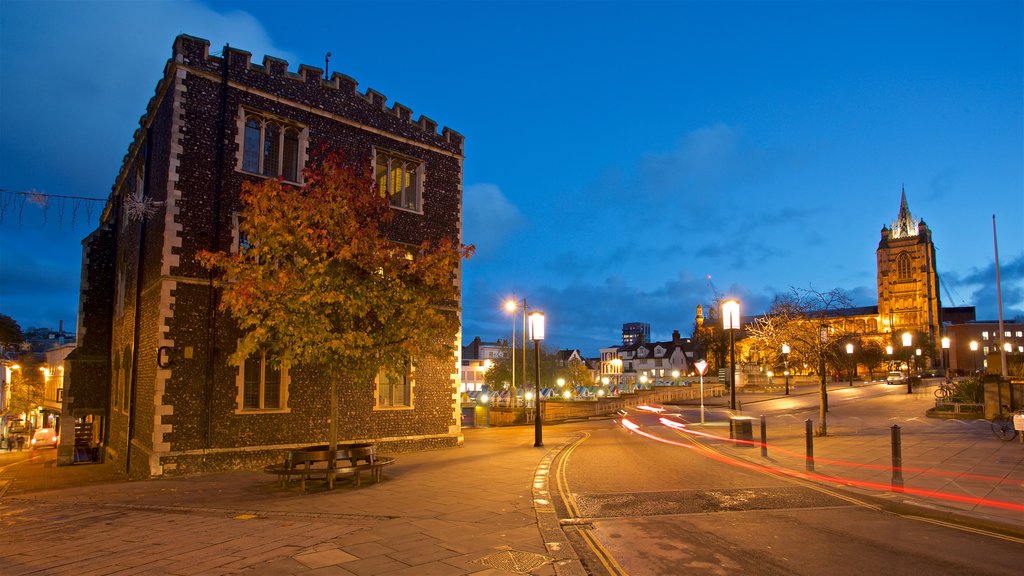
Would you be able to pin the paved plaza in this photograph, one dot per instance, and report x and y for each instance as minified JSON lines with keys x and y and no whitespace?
{"x":479,"y":509}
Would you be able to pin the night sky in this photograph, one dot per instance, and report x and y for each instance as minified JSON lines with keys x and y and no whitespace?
{"x":624,"y":161}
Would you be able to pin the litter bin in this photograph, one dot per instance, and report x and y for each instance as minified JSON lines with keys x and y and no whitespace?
{"x":742,"y":428}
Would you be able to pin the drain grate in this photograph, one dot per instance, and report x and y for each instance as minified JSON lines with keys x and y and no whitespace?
{"x":513,"y":561}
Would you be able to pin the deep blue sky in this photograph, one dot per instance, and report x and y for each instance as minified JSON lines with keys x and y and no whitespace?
{"x":617,"y":154}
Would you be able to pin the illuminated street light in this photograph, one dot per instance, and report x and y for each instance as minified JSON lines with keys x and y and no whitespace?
{"x":537,"y":334}
{"x":731,"y":322}
{"x":908,"y":339}
{"x":823,"y":391}
{"x":785,"y":359}
{"x":974,"y":354}
{"x":945,"y":356}
{"x":849,"y":351}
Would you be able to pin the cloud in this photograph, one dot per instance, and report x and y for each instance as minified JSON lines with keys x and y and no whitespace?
{"x":93,"y":71}
{"x":489,"y":218}
{"x":76,"y":78}
{"x":980,"y":285}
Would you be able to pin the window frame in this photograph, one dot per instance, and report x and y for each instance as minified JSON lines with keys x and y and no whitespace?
{"x":408,"y":383}
{"x":255,"y":147}
{"x":282,"y":394}
{"x":418,"y":179}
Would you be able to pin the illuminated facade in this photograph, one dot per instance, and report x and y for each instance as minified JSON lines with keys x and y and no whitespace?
{"x":908,"y":282}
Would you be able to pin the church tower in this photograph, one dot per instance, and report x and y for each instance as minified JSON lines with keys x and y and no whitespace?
{"x":908,"y":283}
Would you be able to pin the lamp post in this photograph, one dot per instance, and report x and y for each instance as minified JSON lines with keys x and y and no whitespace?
{"x":675,"y":377}
{"x":945,"y":356}
{"x":888,"y":350}
{"x":907,"y":340}
{"x":537,"y":334}
{"x":849,"y":352}
{"x":701,"y":366}
{"x":731,"y":322}
{"x":823,"y":391}
{"x":512,"y":306}
{"x":974,"y":355}
{"x":785,"y":360}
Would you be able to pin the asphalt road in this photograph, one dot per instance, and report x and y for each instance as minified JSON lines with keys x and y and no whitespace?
{"x":700,"y":513}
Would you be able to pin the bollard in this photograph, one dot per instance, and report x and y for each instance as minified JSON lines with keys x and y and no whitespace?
{"x":810,"y":445}
{"x":764,"y":438}
{"x":897,"y":460}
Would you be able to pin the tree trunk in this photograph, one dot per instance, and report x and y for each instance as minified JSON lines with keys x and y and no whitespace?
{"x":333,"y":422}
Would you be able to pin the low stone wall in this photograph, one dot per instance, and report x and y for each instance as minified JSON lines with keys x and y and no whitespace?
{"x":558,"y":410}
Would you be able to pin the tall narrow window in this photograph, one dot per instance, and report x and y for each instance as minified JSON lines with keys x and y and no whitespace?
{"x":290,"y":169}
{"x":250,"y":154}
{"x":271,"y":148}
{"x":263,"y":384}
{"x":127,"y":389}
{"x":400,"y":179}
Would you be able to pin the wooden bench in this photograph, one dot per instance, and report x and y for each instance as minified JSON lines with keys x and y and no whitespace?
{"x":314,"y":461}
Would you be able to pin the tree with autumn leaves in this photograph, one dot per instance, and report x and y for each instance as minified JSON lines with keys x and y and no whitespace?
{"x":318,"y":282}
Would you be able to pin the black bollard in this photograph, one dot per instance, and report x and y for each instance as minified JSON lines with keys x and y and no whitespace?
{"x":897,"y":460}
{"x":810,"y":445}
{"x":764,"y":438}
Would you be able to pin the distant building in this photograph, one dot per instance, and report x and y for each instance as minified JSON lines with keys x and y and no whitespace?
{"x":152,"y":364}
{"x":634,"y":333}
{"x":974,"y":346}
{"x":477,"y":358}
{"x":650,"y":361}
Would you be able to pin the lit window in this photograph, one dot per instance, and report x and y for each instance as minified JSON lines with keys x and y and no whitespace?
{"x":984,"y":335}
{"x":1020,"y":334}
{"x":400,"y":178}
{"x":272,"y":147}
{"x":1006,"y":334}
{"x":903,"y":266}
{"x":394,"y":391}
{"x":263,"y":385}
{"x":985,"y":350}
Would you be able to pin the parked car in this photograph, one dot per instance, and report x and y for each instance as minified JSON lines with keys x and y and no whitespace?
{"x":894,"y":377}
{"x":44,"y":437}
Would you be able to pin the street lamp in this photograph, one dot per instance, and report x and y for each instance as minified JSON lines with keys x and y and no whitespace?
{"x":908,"y":339}
{"x":675,"y":377}
{"x":513,"y":306}
{"x":849,"y":352}
{"x":974,"y":355}
{"x":731,"y":322}
{"x":945,"y":356}
{"x":785,"y":360}
{"x":537,"y":334}
{"x":823,"y":391}
{"x":701,"y":366}
{"x":888,"y":350}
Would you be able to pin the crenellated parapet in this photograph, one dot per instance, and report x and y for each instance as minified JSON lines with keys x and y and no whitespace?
{"x":195,"y":52}
{"x":307,"y":88}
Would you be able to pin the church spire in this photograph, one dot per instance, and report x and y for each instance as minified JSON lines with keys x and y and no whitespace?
{"x":905,"y":225}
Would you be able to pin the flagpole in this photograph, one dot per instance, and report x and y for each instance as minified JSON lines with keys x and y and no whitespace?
{"x":999,"y":301}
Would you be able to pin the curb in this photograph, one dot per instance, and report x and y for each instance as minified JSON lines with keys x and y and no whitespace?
{"x":564,"y":558}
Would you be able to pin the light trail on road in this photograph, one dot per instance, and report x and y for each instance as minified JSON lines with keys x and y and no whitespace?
{"x":811,"y":476}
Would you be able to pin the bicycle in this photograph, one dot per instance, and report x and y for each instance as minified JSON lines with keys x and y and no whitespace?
{"x":1002,"y":424}
{"x":945,"y":391}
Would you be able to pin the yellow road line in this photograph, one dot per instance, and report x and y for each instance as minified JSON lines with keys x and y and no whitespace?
{"x":573,"y":511}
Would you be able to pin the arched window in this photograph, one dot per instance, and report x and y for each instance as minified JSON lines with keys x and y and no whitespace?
{"x":903,"y":266}
{"x":400,"y":179}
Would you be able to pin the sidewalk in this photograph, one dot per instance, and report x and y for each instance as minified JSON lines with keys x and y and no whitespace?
{"x":953,"y":470}
{"x":468,"y":510}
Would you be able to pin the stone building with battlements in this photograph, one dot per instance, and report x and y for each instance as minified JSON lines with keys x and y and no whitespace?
{"x":151,"y":371}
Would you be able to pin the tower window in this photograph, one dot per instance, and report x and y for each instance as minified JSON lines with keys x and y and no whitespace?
{"x":903,"y":266}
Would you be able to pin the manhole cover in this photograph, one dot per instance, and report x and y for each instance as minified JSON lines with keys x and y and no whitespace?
{"x":513,"y":561}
